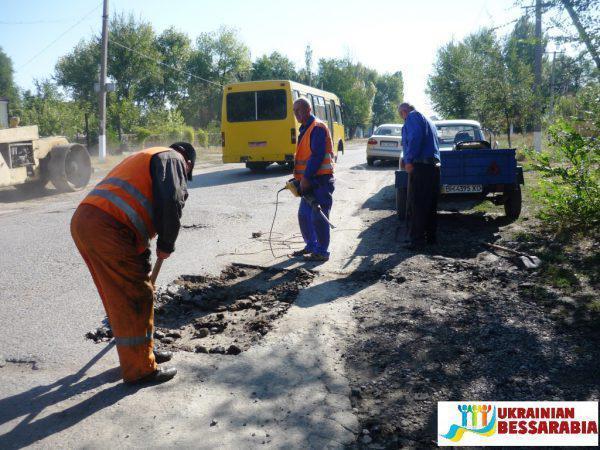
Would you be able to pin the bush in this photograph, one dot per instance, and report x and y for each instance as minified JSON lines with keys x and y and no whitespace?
{"x":188,"y":134}
{"x":214,"y":134}
{"x":202,"y":138}
{"x":569,"y":190}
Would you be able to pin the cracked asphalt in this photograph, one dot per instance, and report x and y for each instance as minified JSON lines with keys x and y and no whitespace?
{"x":58,"y":389}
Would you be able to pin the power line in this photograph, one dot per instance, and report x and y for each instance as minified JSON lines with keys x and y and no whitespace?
{"x":59,"y":37}
{"x":112,"y":41}
{"x":34,"y":22}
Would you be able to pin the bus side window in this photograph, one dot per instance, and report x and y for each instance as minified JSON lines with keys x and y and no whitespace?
{"x":296,"y":95}
{"x":338,"y":114}
{"x":313,"y":104}
{"x":333,"y":116}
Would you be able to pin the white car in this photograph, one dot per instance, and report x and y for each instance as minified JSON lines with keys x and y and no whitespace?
{"x":451,"y":132}
{"x":385,"y":144}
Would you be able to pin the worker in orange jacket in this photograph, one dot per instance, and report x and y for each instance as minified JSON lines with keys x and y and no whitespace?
{"x":313,"y":168}
{"x":140,"y":198}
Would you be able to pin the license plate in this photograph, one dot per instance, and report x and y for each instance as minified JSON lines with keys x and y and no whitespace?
{"x":388,"y":144}
{"x":461,"y":188}
{"x":257,"y":144}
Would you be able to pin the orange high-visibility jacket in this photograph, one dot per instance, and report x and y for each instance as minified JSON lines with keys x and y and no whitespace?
{"x":303,"y":152}
{"x":126,"y":194}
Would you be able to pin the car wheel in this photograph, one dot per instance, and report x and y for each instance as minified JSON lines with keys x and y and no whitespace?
{"x":370,"y":161}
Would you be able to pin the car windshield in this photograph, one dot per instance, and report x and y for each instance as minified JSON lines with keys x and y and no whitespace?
{"x":388,"y":131}
{"x":451,"y":134}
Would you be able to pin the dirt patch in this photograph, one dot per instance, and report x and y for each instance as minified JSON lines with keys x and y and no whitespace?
{"x":225,"y":314}
{"x":438,"y":328}
{"x":228,"y":313}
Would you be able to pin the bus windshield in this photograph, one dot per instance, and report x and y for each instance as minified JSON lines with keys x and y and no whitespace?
{"x":256,"y":105}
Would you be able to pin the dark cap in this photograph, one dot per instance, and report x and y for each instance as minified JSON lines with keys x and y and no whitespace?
{"x":188,"y":152}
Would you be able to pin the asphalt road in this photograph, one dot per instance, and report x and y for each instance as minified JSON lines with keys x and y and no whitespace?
{"x":48,"y":301}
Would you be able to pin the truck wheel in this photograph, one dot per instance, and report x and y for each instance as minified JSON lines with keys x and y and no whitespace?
{"x":370,"y":161}
{"x":258,"y":166}
{"x":512,"y":203}
{"x":70,"y":167}
{"x":401,"y":199}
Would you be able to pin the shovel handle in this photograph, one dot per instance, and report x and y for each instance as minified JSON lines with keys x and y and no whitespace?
{"x":155,"y":270}
{"x":506,"y":249}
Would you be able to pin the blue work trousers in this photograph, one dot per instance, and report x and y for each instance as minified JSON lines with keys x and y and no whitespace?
{"x":315,"y":230}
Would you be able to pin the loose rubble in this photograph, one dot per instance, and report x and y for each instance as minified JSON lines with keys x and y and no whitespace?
{"x":221,"y":315}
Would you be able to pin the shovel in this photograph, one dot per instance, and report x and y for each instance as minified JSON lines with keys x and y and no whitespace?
{"x":528,"y":261}
{"x":155,"y":270}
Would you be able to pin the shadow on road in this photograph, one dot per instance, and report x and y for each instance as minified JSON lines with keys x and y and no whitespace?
{"x":378,"y":166}
{"x":24,"y":193}
{"x":237,"y":175}
{"x":35,"y":401}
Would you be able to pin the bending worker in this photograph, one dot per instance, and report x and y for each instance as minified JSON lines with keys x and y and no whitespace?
{"x":421,"y":159}
{"x":141,"y":197}
{"x":313,"y":167}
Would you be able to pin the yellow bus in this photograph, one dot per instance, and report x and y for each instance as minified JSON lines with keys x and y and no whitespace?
{"x":258,"y":126}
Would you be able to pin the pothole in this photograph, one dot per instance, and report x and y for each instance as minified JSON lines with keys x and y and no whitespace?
{"x":226,"y":314}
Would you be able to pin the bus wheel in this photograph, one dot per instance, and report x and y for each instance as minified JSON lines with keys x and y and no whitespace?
{"x":258,"y":166}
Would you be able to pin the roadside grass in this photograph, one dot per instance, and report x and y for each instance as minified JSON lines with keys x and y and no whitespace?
{"x":205,"y":155}
{"x":570,"y":261}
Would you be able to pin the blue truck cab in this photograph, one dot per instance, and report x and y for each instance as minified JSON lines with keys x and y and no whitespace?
{"x":470,"y":166}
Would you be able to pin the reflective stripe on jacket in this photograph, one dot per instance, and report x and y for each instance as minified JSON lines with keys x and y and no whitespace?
{"x":126,"y":194}
{"x":303,"y":152}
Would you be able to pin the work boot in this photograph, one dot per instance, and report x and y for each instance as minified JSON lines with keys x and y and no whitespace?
{"x":161,"y":356}
{"x":160,"y":375}
{"x":299,"y":253}
{"x":316,"y":257}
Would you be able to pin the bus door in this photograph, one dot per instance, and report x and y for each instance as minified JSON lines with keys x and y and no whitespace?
{"x":330,"y":108}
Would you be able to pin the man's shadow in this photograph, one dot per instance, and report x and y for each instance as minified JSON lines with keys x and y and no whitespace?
{"x":33,"y":402}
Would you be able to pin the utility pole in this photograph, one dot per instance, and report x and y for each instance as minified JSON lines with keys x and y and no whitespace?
{"x":552,"y":83}
{"x":102,"y":99}
{"x":537,"y":68}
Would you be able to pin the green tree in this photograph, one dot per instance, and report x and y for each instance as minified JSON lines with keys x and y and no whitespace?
{"x":305,"y":75}
{"x":7,"y":85}
{"x":389,"y":94}
{"x":50,"y":111}
{"x":219,"y":58}
{"x":132,"y":63}
{"x":354,"y":84}
{"x":175,"y":51}
{"x":77,"y":72}
{"x":273,"y":67}
{"x":449,"y":86}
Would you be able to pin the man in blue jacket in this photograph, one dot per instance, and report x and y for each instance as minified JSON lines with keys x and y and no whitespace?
{"x":421,"y":159}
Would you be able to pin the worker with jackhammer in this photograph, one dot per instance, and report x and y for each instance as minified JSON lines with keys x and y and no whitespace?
{"x":313,"y":167}
{"x":140,"y":198}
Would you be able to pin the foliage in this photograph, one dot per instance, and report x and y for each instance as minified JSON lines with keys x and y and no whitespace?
{"x":570,"y":188}
{"x":7,"y":85}
{"x":202,"y":136}
{"x":485,"y":79}
{"x":222,"y":58}
{"x":273,"y":67}
{"x":175,"y":50}
{"x":389,"y":94}
{"x":53,"y":115}
{"x":165,"y":81}
{"x":354,"y":84}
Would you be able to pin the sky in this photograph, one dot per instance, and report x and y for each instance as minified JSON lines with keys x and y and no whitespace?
{"x":386,"y":35}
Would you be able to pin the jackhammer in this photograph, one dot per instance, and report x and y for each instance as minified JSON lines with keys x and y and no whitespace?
{"x":293,"y":186}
